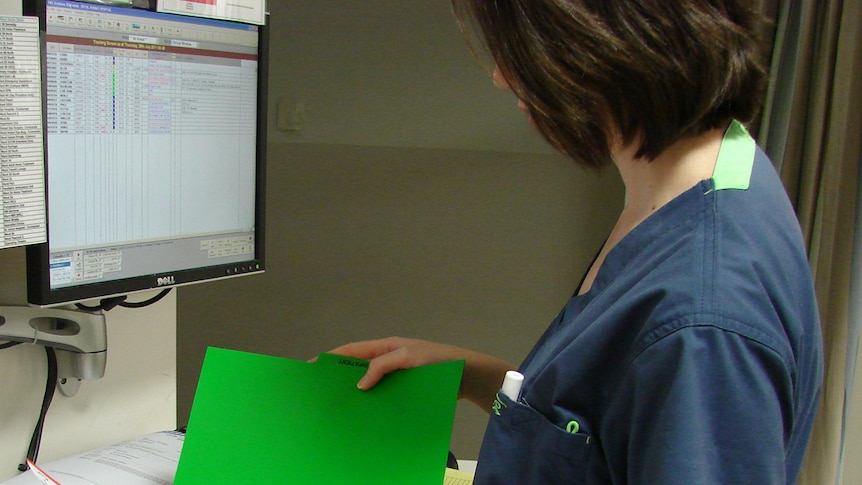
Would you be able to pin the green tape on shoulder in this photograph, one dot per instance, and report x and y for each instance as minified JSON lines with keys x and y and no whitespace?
{"x":735,"y":159}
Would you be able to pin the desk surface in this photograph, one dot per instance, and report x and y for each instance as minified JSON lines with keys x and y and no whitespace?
{"x":148,"y":460}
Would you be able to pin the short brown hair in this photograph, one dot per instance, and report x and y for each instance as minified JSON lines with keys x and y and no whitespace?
{"x":656,"y":70}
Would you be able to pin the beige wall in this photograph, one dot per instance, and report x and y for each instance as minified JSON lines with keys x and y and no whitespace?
{"x":478,"y":249}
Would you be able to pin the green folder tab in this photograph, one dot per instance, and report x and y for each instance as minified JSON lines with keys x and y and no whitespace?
{"x":262,"y":419}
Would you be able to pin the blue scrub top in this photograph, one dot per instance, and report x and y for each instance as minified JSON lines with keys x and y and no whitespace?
{"x":694,"y":358}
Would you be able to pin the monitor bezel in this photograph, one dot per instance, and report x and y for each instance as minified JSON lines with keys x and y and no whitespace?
{"x":39,"y":291}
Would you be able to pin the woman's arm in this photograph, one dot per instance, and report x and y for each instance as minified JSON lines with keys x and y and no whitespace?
{"x":482,"y":377}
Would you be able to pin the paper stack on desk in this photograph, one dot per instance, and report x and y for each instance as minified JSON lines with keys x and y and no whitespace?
{"x":262,"y":419}
{"x":150,"y":459}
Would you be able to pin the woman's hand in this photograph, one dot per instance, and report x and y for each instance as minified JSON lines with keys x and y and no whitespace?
{"x":482,"y":377}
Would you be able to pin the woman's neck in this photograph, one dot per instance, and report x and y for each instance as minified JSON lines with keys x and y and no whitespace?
{"x":652,"y":184}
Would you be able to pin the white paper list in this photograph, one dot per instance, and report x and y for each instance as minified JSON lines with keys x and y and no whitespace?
{"x":22,"y":169}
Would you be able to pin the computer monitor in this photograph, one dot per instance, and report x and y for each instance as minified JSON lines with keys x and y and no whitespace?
{"x":155,"y":147}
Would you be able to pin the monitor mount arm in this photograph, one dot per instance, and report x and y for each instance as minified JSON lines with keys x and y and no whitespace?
{"x":78,"y":337}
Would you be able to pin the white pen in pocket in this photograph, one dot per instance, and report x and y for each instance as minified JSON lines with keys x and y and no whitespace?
{"x":512,"y":385}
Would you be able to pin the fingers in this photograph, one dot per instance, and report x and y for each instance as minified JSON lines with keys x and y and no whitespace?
{"x":384,"y":356}
{"x":366,"y":350}
{"x":379,"y":367}
{"x":387,"y":355}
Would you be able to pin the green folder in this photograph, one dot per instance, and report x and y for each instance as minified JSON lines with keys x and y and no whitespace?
{"x":262,"y":419}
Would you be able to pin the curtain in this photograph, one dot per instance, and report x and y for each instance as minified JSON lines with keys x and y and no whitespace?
{"x":851,"y":470}
{"x":811,"y":127}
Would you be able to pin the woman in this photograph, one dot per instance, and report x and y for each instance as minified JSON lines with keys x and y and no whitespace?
{"x":690,"y":352}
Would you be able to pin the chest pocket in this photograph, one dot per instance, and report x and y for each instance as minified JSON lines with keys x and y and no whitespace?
{"x":522,"y":447}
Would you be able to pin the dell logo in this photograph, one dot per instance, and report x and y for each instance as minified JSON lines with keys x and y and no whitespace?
{"x":165,"y":281}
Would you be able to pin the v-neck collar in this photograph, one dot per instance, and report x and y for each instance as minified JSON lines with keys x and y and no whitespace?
{"x":733,"y":170}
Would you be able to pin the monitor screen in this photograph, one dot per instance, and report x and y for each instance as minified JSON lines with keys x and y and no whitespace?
{"x":154,"y":147}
